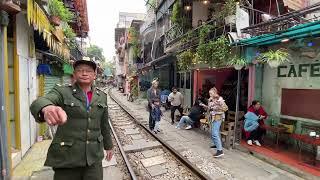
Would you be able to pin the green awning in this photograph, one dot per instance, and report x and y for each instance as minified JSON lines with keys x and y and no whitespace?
{"x":296,"y":32}
{"x":67,"y":69}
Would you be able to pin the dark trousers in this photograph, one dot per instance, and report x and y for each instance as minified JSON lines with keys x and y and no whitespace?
{"x":151,"y":121}
{"x":173,"y":110}
{"x":257,"y":134}
{"x":93,"y":172}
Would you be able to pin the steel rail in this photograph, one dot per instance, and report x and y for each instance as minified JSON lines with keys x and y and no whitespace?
{"x":123,"y":154}
{"x":181,"y":158}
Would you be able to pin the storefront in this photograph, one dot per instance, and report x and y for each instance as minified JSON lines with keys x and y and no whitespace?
{"x":225,"y":80}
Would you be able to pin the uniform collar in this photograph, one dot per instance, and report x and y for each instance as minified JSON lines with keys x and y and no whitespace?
{"x":78,"y":93}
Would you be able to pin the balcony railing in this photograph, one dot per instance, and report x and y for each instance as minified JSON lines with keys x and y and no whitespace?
{"x":173,"y":33}
{"x":191,"y":38}
{"x":262,"y":23}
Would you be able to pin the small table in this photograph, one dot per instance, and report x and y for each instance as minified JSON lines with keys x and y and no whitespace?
{"x":277,"y":130}
{"x":308,"y":140}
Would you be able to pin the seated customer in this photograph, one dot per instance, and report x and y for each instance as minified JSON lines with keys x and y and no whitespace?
{"x":194,"y":116}
{"x":254,"y":125}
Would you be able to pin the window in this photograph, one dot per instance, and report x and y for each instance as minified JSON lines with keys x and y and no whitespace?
{"x":178,"y":80}
{"x":188,"y":80}
{"x":182,"y":80}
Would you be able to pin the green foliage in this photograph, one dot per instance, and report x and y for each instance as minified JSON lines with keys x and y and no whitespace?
{"x":204,"y":32}
{"x":68,"y":31}
{"x":215,"y":52}
{"x":228,"y":9}
{"x":237,"y":60}
{"x":134,"y":41}
{"x":57,"y":8}
{"x":176,"y":13}
{"x":96,"y":51}
{"x":280,"y":56}
{"x":186,"y":60}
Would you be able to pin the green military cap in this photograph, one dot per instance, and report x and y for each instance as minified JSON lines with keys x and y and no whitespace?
{"x":87,"y":61}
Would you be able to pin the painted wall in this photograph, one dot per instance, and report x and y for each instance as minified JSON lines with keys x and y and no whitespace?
{"x":28,"y":84}
{"x":272,"y":84}
{"x":217,"y":76}
{"x":199,"y":12}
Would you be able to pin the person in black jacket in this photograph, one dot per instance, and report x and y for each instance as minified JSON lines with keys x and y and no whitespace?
{"x":194,"y":116}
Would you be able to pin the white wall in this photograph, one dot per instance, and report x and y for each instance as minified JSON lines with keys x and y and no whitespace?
{"x":199,"y":12}
{"x":28,"y":83}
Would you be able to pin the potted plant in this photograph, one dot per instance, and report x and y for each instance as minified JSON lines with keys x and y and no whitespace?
{"x":237,"y":62}
{"x":58,"y":12}
{"x":229,"y":11}
{"x":275,"y":58}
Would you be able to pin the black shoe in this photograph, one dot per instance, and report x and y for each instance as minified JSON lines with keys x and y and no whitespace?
{"x":172,"y":122}
{"x":158,"y":130}
{"x":218,"y":154}
{"x":213,"y":146}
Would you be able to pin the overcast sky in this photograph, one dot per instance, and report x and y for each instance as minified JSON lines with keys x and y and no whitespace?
{"x":103,"y":17}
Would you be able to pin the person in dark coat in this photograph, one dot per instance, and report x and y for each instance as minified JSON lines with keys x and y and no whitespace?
{"x":152,"y":94}
{"x":80,"y":110}
{"x":196,"y":112}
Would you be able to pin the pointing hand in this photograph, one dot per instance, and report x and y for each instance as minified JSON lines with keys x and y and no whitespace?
{"x":54,"y":115}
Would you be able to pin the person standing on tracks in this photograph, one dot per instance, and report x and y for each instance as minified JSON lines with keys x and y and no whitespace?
{"x":176,"y":100}
{"x":152,"y":94}
{"x":156,"y":115}
{"x":81,"y":113}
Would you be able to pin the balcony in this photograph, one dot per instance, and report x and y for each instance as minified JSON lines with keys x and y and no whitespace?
{"x":175,"y":39}
{"x":264,"y":23}
{"x":11,"y":6}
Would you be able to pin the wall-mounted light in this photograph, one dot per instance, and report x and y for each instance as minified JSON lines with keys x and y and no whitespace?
{"x":205,"y":2}
{"x":187,"y":7}
{"x":285,"y":40}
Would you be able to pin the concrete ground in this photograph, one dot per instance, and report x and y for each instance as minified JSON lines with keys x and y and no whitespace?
{"x":194,"y":144}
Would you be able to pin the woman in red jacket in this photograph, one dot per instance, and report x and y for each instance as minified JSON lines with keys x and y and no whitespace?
{"x":255,"y":136}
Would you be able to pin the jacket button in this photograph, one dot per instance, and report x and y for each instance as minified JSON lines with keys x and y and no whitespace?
{"x":88,"y":130}
{"x":89,"y":119}
{"x":87,"y":142}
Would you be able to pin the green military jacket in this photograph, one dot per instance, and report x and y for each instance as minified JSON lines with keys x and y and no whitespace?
{"x":81,"y":140}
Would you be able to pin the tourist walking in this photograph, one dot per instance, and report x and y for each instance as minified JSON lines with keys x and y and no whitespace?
{"x":176,"y":100}
{"x":81,"y":113}
{"x":152,"y":94}
{"x":217,"y":108}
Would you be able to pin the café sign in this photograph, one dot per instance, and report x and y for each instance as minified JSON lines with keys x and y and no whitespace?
{"x":299,"y":70}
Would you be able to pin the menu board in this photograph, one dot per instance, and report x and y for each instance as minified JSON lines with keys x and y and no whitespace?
{"x":303,"y":103}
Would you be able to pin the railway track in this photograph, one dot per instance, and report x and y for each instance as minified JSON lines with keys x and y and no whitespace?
{"x":145,"y":155}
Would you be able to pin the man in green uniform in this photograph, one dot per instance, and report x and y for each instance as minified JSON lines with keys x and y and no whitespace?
{"x":81,"y":113}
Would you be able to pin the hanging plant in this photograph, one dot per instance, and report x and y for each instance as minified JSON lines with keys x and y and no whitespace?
{"x":275,"y":58}
{"x":176,"y":17}
{"x":237,"y":62}
{"x":185,"y":60}
{"x":58,"y":12}
{"x":204,"y":33}
{"x":134,"y":42}
{"x":215,"y":53}
{"x":69,"y":34}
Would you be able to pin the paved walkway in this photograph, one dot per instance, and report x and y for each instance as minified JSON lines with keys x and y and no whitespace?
{"x":194,"y":145}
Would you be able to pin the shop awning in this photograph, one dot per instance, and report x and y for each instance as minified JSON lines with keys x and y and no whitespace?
{"x":67,"y":69}
{"x":296,"y":32}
